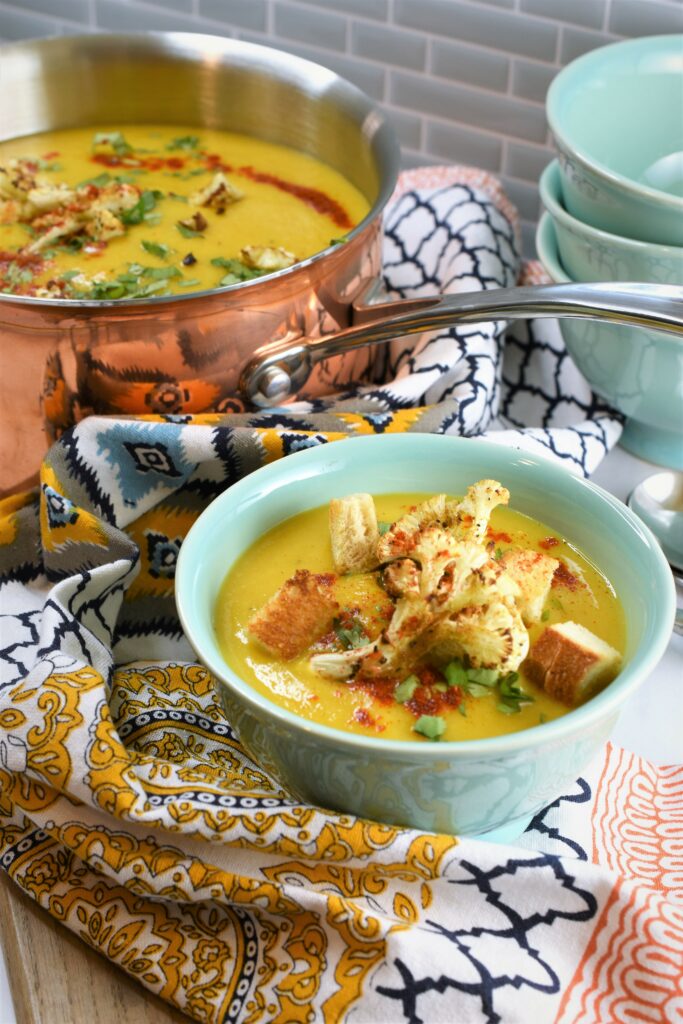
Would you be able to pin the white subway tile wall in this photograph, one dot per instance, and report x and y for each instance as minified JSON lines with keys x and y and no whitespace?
{"x":463,"y":80}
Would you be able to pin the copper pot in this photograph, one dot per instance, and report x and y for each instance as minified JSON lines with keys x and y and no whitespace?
{"x":306,"y":330}
{"x":61,"y":359}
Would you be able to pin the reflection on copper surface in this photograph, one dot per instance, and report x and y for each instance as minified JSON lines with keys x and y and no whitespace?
{"x":59,"y":364}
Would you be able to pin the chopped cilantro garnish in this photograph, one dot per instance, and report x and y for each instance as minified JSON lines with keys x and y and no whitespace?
{"x":498,"y":554}
{"x":352,"y":636}
{"x":188,"y":232}
{"x":484,"y":676}
{"x":545,"y":616}
{"x":455,"y":673}
{"x":462,"y":709}
{"x":100,"y":181}
{"x":405,"y":690}
{"x":113,"y":139}
{"x":184,"y":142}
{"x":512,"y":696}
{"x":161,"y":273}
{"x":431,"y":726}
{"x":157,"y":249}
{"x":237,"y":271}
{"x":383,"y":527}
{"x":47,"y":165}
{"x":68,"y":275}
{"x":144,"y":206}
{"x":338,"y":241}
{"x":188,"y":282}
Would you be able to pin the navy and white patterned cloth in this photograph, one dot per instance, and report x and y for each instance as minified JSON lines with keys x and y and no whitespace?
{"x":450,"y":229}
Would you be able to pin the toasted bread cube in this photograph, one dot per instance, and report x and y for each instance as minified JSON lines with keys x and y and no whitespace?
{"x":301,"y":610}
{"x":533,"y":573}
{"x":570,"y":662}
{"x":353,"y":533}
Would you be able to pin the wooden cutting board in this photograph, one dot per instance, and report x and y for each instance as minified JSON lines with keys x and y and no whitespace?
{"x":56,"y":979}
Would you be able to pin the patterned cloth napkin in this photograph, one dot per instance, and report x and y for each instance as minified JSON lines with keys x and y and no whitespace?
{"x":129,"y":810}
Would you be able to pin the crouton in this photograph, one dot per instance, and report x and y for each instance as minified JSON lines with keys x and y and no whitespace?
{"x":353,"y":533}
{"x":570,"y":662}
{"x":218,"y":194}
{"x":301,"y":610}
{"x":533,"y":573}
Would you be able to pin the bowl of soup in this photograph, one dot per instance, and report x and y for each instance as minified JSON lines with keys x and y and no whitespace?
{"x":478,"y":746}
{"x":169,"y":204}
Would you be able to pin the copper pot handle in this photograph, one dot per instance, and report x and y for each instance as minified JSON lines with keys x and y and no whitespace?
{"x":280,"y":369}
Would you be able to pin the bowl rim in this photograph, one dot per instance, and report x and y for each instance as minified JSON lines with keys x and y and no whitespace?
{"x":550,"y":260}
{"x":549,"y":185}
{"x":201,"y":43}
{"x":598,"y":708}
{"x":579,"y":67}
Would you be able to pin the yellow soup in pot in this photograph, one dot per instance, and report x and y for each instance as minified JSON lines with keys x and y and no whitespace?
{"x":133,"y":211}
{"x":579,"y":593}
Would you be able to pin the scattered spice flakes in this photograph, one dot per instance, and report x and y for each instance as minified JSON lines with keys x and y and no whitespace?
{"x":549,"y":542}
{"x":564,"y":578}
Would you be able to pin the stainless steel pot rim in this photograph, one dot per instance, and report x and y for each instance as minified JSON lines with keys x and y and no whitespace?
{"x":386,"y":189}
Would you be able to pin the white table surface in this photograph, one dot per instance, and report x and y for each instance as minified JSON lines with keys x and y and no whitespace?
{"x":650,"y":724}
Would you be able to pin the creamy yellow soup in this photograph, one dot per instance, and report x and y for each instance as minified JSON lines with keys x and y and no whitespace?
{"x":288,"y":201}
{"x":580,"y":593}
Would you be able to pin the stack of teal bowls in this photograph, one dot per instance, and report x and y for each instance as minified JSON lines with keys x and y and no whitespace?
{"x":614,"y":212}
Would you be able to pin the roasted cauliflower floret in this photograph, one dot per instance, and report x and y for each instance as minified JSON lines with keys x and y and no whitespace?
{"x":470,"y":517}
{"x":16,"y":180}
{"x":103,"y":225}
{"x":63,"y":227}
{"x":268,"y":258}
{"x":218,"y":194}
{"x":492,"y":636}
{"x":117,"y":198}
{"x":399,"y":539}
{"x":401,"y":578}
{"x":532,"y":573}
{"x":45,"y":198}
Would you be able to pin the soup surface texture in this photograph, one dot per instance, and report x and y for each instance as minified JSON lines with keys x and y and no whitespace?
{"x":579,"y":593}
{"x":132,"y":211}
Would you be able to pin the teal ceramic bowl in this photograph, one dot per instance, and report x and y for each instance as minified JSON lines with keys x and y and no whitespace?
{"x":589,"y":254}
{"x":490,"y":786}
{"x":638,"y":371}
{"x":617,"y":117}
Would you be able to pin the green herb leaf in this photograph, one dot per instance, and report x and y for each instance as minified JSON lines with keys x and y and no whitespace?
{"x":188,"y":232}
{"x":188,"y":282}
{"x":431,"y":726}
{"x":405,"y":690}
{"x":462,"y":709}
{"x":382,"y":527}
{"x":485,"y":676}
{"x":144,"y":206}
{"x":161,"y":273}
{"x":100,"y":181}
{"x":237,"y":271}
{"x":498,"y":554}
{"x":338,"y":241}
{"x":475,"y":689}
{"x":545,"y":616}
{"x":157,"y":249}
{"x":113,"y":139}
{"x":183,"y":142}
{"x":353,"y":636}
{"x":508,"y":709}
{"x":68,"y":275}
{"x":455,"y":673}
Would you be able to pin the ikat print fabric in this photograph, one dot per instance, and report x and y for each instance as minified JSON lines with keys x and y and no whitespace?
{"x":130,"y":811}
